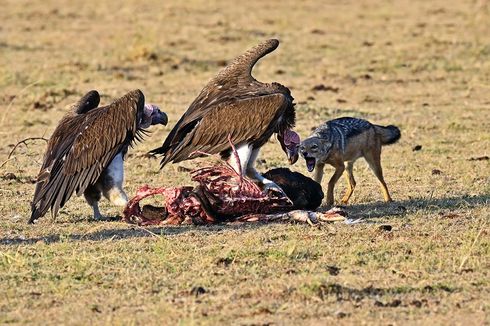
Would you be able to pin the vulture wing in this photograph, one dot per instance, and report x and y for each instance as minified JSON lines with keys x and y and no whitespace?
{"x":82,"y":146}
{"x":247,"y":120}
{"x":231,"y":103}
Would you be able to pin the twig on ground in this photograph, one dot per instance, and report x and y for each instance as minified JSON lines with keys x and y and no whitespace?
{"x":15,"y":96}
{"x":5,"y":162}
{"x":146,"y":230}
{"x":24,"y":141}
{"x":465,"y":258}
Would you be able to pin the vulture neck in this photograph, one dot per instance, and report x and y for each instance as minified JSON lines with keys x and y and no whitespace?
{"x":241,"y":67}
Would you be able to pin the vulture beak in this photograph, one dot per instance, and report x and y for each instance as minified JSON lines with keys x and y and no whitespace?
{"x":292,"y":155}
{"x":157,"y":117}
{"x":290,"y":143}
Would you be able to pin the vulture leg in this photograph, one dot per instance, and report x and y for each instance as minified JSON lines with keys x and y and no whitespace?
{"x":240,"y":161}
{"x":111,"y":182}
{"x":92,"y":195}
{"x":248,"y":168}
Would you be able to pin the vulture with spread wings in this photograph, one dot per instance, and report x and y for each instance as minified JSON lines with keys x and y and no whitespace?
{"x":235,"y":105}
{"x":86,"y":151}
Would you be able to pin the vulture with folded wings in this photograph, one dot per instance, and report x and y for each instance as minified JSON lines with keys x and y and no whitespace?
{"x":235,"y":105}
{"x":86,"y":151}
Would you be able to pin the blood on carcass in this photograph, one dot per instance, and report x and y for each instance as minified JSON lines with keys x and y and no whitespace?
{"x":222,"y":194}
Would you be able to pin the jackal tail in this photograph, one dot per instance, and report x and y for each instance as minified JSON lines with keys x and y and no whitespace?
{"x":389,"y":134}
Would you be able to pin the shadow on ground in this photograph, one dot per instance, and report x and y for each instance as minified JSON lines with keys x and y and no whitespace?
{"x":399,"y":208}
{"x":366,"y":211}
{"x":128,"y":232}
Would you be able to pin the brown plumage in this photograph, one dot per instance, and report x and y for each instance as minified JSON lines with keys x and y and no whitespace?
{"x":234,"y":104}
{"x":83,"y":145}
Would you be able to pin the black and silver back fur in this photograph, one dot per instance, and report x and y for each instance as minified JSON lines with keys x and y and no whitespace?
{"x":338,"y":131}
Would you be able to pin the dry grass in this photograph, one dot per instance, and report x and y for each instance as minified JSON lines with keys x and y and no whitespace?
{"x":424,"y":66}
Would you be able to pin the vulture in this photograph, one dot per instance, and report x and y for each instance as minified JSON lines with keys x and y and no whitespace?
{"x":235,"y":108}
{"x":86,"y":152}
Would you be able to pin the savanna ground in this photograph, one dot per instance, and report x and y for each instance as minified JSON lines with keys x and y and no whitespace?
{"x":422,"y":65}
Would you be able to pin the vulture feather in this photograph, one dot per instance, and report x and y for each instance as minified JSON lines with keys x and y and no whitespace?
{"x":85,"y":153}
{"x":235,"y":106}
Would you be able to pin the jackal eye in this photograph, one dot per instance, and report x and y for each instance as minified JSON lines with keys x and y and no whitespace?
{"x":314,"y":146}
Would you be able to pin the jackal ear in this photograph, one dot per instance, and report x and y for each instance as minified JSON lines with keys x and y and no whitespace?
{"x":325,"y":145}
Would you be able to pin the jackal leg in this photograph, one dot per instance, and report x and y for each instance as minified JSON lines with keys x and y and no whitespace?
{"x":339,"y":169}
{"x":318,"y":172}
{"x":373,"y":158}
{"x":351,"y":182}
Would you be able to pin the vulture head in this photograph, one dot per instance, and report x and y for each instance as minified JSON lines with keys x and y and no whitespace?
{"x":152,"y":116}
{"x":289,"y":141}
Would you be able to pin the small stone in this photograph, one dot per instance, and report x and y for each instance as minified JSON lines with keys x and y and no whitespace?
{"x":16,"y":217}
{"x":325,"y":88}
{"x":9,"y":176}
{"x":183,"y":169}
{"x":480,"y":158}
{"x":317,"y":31}
{"x":385,"y":227}
{"x":96,"y":308}
{"x":224,"y":261}
{"x":198,"y":290}
{"x":340,"y":314}
{"x":152,"y":56}
{"x":333,"y":270}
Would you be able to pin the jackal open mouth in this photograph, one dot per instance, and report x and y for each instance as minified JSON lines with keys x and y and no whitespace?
{"x":310,"y":163}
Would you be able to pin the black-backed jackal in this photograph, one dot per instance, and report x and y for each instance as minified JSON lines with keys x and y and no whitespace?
{"x":345,"y":140}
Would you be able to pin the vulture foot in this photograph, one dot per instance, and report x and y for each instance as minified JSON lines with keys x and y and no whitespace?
{"x":272,"y":188}
{"x":99,"y":217}
{"x":95,"y":207}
